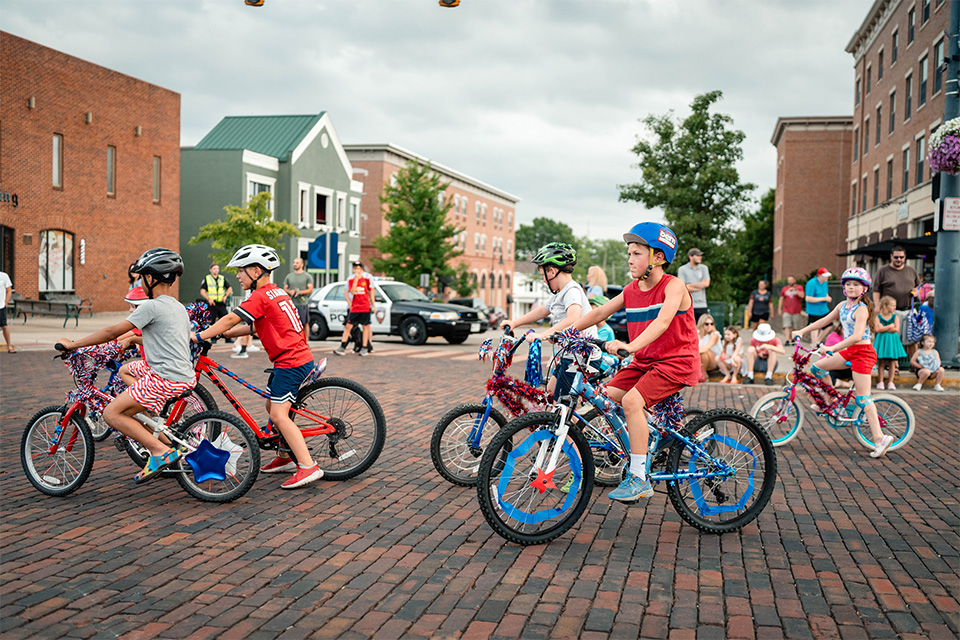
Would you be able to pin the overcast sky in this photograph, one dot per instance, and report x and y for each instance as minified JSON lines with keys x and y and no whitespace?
{"x":540,"y":98}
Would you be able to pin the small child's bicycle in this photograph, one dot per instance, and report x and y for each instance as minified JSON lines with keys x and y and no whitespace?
{"x":720,"y":468}
{"x":782,"y":415}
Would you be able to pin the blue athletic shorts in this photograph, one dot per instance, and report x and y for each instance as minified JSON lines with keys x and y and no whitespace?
{"x":284,"y":384}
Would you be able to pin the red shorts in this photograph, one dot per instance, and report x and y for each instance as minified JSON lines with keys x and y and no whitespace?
{"x":862,"y":358}
{"x":152,"y":391}
{"x":653,"y":385}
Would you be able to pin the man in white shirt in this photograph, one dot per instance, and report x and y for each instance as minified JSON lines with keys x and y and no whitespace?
{"x":7,"y":288}
{"x":696,"y":276}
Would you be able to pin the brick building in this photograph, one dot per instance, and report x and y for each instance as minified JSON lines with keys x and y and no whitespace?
{"x":91,"y":158}
{"x":487,"y":215}
{"x":813,"y":178}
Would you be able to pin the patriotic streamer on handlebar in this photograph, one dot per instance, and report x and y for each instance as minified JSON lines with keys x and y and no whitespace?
{"x":669,"y":411}
{"x":534,"y":373}
{"x":574,"y":341}
{"x":84,"y":363}
{"x":512,"y":393}
{"x":199,"y":315}
{"x":486,"y":348}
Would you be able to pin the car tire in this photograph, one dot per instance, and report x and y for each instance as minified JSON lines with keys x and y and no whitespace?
{"x":318,"y":327}
{"x":457,"y":338}
{"x":413,"y":330}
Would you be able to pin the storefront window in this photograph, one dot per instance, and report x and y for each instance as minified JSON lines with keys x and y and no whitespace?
{"x":56,"y":260}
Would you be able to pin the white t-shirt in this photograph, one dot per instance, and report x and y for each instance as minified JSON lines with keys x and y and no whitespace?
{"x":559,"y":302}
{"x":716,"y":348}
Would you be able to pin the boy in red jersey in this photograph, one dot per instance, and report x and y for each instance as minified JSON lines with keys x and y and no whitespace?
{"x":359,"y":295}
{"x":270,"y":314}
{"x":663,"y":341}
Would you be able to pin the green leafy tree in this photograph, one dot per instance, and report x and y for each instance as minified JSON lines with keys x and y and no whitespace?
{"x":462,"y":281}
{"x":249,"y":224}
{"x":688,"y":170}
{"x":754,"y":242}
{"x":420,"y":239}
{"x":531,"y":237}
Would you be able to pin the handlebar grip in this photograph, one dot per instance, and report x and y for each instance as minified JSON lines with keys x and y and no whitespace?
{"x":60,"y":347}
{"x":623,"y":353}
{"x":507,"y":330}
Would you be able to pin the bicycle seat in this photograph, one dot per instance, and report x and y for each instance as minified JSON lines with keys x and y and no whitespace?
{"x":169,"y":403}
{"x":268,"y":370}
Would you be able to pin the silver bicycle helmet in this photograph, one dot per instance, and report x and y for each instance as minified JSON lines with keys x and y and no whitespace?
{"x":163,"y":264}
{"x":255,"y":255}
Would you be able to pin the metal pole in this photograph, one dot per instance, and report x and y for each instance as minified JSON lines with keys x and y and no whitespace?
{"x":946,"y":312}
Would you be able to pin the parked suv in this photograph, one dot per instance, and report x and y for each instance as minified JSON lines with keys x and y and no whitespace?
{"x":405,"y":312}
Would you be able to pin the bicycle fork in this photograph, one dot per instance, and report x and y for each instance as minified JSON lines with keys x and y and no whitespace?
{"x":544,"y":479}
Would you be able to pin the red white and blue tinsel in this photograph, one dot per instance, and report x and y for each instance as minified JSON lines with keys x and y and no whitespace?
{"x":533,"y":376}
{"x":516,"y":396}
{"x":84,"y":363}
{"x":199,"y":315}
{"x":486,"y":348}
{"x":669,"y":411}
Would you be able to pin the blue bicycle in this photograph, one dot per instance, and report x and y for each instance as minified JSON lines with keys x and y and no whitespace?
{"x":536,"y":475}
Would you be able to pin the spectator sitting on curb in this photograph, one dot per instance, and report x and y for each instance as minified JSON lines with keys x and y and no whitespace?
{"x":709,"y":345}
{"x":926,"y":360}
{"x":763,"y":343}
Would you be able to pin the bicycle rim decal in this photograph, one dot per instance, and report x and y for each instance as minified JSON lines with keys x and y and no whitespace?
{"x":535,"y":518}
{"x":706,"y":509}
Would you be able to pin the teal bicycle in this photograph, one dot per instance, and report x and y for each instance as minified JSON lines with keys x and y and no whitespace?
{"x":536,"y":475}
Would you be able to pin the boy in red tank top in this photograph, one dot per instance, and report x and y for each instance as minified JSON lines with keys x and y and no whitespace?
{"x":663,"y":341}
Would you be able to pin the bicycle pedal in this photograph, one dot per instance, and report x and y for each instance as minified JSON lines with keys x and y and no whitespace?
{"x":119,"y":444}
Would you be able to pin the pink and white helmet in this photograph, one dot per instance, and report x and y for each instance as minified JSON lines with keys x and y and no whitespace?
{"x":858,"y":274}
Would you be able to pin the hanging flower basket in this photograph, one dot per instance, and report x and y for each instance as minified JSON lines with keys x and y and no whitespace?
{"x":944,"y":152}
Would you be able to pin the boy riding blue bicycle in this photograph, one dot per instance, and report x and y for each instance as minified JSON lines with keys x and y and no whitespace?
{"x":663,"y":342}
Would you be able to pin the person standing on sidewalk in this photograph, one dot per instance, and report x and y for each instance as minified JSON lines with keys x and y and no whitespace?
{"x":759,"y":308}
{"x":216,"y":291}
{"x":790,"y":306}
{"x":818,"y":300}
{"x":6,"y":287}
{"x":696,"y":276}
{"x":359,"y":295}
{"x":299,"y":286}
{"x":898,"y":280}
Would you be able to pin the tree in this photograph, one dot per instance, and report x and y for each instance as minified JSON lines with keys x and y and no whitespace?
{"x":420,"y":240}
{"x":462,"y":281}
{"x":250,"y":224}
{"x":531,"y":237}
{"x":754,"y":242}
{"x":689,"y":171}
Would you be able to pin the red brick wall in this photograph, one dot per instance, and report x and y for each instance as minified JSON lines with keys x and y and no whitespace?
{"x":116,"y":229}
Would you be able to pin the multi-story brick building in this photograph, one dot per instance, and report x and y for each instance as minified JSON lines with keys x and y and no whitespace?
{"x":91,"y":159}
{"x":813,"y":176}
{"x":486,"y":214}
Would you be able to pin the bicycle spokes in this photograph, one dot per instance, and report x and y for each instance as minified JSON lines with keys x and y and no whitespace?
{"x":516,"y":488}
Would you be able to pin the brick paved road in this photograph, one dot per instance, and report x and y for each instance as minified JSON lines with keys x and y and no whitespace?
{"x":849,"y":547}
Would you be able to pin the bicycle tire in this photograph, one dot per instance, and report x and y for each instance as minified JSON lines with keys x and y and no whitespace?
{"x":896,"y":419}
{"x":226,"y":433}
{"x":738,"y":439}
{"x":769,"y":412}
{"x":138,"y":453}
{"x":609,"y":465}
{"x":99,"y":429}
{"x":450,"y":451}
{"x":361,"y":429}
{"x":65,"y":471}
{"x":534,"y":516}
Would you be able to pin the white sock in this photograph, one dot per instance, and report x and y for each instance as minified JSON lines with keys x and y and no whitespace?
{"x":638,"y":465}
{"x":750,"y":374}
{"x":769,"y":375}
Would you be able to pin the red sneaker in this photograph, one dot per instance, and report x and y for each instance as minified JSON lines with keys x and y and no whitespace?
{"x":278,"y":465}
{"x":302,"y":477}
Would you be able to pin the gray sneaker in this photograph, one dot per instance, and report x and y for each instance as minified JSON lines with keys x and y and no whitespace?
{"x":362,"y":353}
{"x":242,"y":354}
{"x":339,"y":351}
{"x":632,"y":489}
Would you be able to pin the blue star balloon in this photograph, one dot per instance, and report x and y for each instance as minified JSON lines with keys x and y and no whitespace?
{"x":208,"y":462}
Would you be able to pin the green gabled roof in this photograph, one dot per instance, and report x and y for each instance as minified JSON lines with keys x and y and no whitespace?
{"x":275,"y":136}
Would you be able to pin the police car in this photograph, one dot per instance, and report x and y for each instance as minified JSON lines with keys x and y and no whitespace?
{"x":401,"y":311}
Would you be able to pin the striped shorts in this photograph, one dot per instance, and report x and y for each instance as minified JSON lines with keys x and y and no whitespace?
{"x":152,"y":391}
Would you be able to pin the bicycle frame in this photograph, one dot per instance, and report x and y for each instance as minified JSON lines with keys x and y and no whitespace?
{"x":817,"y":389}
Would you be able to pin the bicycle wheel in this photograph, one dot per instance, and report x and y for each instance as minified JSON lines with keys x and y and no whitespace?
{"x":225,"y":470}
{"x":199,"y":401}
{"x":62,"y":472}
{"x":98,"y":428}
{"x":518,"y":501}
{"x":610,"y":456}
{"x":354,"y":412}
{"x":781,"y":418}
{"x":451,"y":447}
{"x":896,"y":419}
{"x":724,"y":504}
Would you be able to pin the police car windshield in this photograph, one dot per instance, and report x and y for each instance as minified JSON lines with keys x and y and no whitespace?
{"x":401,"y":292}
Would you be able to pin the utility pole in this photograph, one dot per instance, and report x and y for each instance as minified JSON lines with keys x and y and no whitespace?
{"x":946,"y":311}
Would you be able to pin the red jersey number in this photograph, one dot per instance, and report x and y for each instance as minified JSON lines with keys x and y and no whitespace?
{"x":291,"y":312}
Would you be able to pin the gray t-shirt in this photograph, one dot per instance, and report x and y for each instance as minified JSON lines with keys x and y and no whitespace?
{"x":166,"y":338}
{"x":693,"y":275}
{"x":298,"y":282}
{"x":571,"y":294}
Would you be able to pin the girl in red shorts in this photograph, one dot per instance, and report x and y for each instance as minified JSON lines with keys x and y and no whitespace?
{"x":855,"y":350}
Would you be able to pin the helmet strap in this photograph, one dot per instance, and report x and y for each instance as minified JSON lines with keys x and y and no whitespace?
{"x":550,"y":280}
{"x":148,"y":286}
{"x":651,"y":264}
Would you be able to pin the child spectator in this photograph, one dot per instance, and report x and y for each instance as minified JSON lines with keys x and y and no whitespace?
{"x":763,"y":343}
{"x":270,"y":313}
{"x":663,"y":341}
{"x":359,"y":295}
{"x":731,"y":355}
{"x":604,"y":331}
{"x":886,"y":341}
{"x":926,"y":360}
{"x":709,"y":345}
{"x":927,"y":309}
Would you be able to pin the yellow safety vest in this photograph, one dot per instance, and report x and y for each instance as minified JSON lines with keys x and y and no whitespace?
{"x":216,"y":288}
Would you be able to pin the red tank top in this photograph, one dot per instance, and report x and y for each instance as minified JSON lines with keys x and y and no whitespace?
{"x":677,"y":350}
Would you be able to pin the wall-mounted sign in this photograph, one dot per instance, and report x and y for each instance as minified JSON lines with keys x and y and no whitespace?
{"x":949,"y":218}
{"x":9,"y":198}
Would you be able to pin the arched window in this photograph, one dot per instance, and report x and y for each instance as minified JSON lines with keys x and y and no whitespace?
{"x":500,"y":281}
{"x":483,"y":281}
{"x":507,"y":278}
{"x":56,"y":260}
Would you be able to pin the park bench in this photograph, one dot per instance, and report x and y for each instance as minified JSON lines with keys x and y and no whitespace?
{"x":60,"y":305}
{"x":71,"y":298}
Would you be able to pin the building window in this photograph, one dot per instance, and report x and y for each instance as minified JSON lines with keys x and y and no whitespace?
{"x":889,"y":178}
{"x":938,"y":70}
{"x":911,"y":25}
{"x":863,"y":207}
{"x":856,"y":143}
{"x":853,"y":200}
{"x":920,"y":154}
{"x":856,"y":98}
{"x":58,"y":160}
{"x":56,"y":260}
{"x":924,"y":74}
{"x":476,"y":242}
{"x":321,"y":215}
{"x":880,"y":66}
{"x":483,"y":242}
{"x":925,"y":12}
{"x":879,"y":120}
{"x":341,"y":213}
{"x":463,"y":202}
{"x":908,"y":100}
{"x":303,"y":213}
{"x":893,"y":110}
{"x":354,"y":216}
{"x":866,"y":136}
{"x":906,"y":169}
{"x":156,"y":178}
{"x":876,"y":186}
{"x":111,"y":170}
{"x":456,"y":204}
{"x":476,"y":207}
{"x":510,"y":219}
{"x":894,"y":43}
{"x":869,"y":73}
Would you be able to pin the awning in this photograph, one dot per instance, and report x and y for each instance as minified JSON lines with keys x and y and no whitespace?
{"x":922,"y":247}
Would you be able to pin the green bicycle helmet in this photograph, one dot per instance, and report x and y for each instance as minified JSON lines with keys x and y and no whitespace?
{"x":598,"y":301}
{"x":556,"y":254}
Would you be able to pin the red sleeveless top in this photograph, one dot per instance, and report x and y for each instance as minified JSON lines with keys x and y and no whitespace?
{"x":677,"y":351}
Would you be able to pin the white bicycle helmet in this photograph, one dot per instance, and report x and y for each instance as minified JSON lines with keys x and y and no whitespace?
{"x":255,"y":255}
